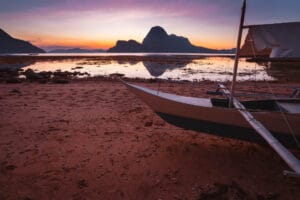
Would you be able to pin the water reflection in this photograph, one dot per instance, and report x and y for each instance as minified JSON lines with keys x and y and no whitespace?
{"x":156,"y":69}
{"x":15,"y":66}
{"x":164,"y":67}
{"x":123,"y":62}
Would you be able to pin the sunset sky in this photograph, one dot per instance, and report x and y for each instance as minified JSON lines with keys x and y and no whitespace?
{"x":100,"y":23}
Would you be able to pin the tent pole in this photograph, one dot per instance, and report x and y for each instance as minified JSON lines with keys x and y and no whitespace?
{"x":237,"y":54}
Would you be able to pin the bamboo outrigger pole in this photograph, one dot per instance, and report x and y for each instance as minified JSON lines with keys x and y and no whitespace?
{"x":283,"y":152}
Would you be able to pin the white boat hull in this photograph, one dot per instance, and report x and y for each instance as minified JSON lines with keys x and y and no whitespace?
{"x":197,"y":113}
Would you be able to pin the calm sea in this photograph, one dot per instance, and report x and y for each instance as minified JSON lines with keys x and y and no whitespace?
{"x":175,"y":66}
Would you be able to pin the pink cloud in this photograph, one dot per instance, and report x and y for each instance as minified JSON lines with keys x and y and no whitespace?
{"x":68,"y":8}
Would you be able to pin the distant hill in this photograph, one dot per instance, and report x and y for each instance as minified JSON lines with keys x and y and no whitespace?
{"x":77,"y":50}
{"x":127,"y":46}
{"x":9,"y":44}
{"x":157,"y":40}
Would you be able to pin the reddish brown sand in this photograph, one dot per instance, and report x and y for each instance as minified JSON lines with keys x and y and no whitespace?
{"x":96,"y":140}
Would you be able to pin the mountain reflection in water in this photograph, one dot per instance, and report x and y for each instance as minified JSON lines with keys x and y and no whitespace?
{"x":177,"y":67}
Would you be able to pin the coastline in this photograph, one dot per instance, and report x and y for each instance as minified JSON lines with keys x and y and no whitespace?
{"x":129,"y":57}
{"x":182,"y":67}
{"x":93,"y":139}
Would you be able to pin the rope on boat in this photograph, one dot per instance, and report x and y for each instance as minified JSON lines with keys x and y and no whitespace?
{"x":285,"y":119}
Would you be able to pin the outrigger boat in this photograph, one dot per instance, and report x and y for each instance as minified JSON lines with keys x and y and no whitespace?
{"x":276,"y":120}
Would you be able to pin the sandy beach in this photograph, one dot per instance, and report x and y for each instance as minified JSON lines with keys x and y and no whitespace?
{"x":93,"y":139}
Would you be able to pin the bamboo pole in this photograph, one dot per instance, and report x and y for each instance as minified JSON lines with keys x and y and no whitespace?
{"x":283,"y":152}
{"x":237,"y":53}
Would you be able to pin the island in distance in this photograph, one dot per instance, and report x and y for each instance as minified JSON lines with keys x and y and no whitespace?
{"x":13,"y":45}
{"x":76,"y":50}
{"x":157,"y":40}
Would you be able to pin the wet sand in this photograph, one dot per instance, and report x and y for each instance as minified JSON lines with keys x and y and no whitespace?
{"x":93,"y":139}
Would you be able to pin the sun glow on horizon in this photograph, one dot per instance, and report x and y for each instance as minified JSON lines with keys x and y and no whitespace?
{"x":92,"y":40}
{"x":53,"y":42}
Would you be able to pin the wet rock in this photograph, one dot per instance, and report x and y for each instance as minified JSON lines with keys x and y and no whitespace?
{"x":64,"y":74}
{"x":31,"y":75}
{"x":14,"y":80}
{"x":117,"y":75}
{"x":76,"y":73}
{"x":45,"y":75}
{"x":78,"y":67}
{"x":9,"y":72}
{"x":9,"y":75}
{"x":152,"y":80}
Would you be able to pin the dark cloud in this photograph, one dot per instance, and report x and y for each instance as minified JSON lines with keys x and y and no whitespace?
{"x":8,"y":6}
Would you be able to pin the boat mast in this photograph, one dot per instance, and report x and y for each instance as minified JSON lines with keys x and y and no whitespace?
{"x":237,"y":54}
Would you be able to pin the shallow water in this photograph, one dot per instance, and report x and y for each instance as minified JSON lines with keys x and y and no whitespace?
{"x":165,"y":66}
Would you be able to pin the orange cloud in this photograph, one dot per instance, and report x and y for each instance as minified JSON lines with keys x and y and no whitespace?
{"x":50,"y":40}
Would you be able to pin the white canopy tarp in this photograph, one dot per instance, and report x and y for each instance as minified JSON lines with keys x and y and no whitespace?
{"x":283,"y":40}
